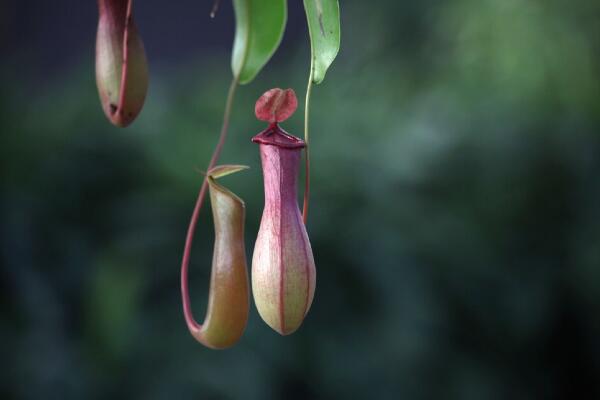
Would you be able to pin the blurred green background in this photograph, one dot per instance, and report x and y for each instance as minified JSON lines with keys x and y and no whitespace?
{"x":455,"y":206}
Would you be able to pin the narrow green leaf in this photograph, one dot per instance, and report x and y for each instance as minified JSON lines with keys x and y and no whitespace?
{"x":258,"y":32}
{"x":324,"y":28}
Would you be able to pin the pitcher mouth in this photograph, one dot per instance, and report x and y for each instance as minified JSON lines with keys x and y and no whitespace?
{"x":274,"y":135}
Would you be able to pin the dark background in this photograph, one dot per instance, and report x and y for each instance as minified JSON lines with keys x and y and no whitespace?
{"x":455,"y":212}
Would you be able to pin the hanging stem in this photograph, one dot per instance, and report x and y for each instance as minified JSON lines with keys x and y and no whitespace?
{"x":307,"y":149}
{"x":215,"y":8}
{"x":194,"y":326}
{"x":125,"y":57}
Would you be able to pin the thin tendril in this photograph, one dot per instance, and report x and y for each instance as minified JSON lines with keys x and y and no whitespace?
{"x":307,"y":154}
{"x":194,"y":326}
{"x":215,"y":8}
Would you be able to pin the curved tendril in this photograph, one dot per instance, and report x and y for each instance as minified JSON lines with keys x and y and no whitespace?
{"x":194,"y":326}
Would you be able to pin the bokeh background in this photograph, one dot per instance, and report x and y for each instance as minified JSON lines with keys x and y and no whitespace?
{"x":455,"y":210}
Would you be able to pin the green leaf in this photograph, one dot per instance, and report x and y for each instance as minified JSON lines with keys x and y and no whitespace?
{"x":324,"y":28}
{"x":259,"y":26}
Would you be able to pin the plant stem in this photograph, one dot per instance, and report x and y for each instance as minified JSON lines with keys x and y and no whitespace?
{"x":215,"y":8}
{"x":193,"y":326}
{"x":307,"y":155}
